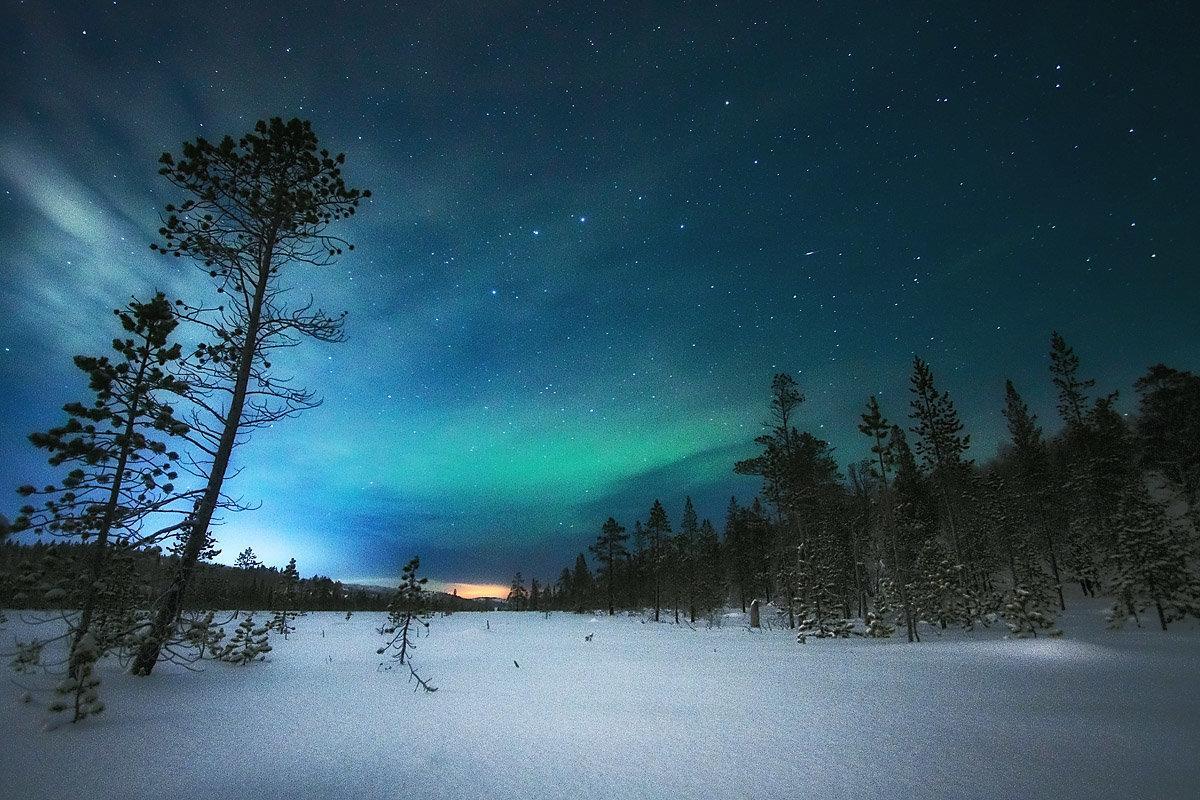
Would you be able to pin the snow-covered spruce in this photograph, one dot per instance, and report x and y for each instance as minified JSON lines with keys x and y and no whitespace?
{"x":248,"y":643}
{"x":1024,"y":616}
{"x":1149,"y":562}
{"x":77,"y":694}
{"x":879,"y":625}
{"x":205,"y":635}
{"x":281,"y":621}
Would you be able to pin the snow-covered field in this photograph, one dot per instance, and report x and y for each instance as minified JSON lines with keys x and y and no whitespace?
{"x":641,"y":711}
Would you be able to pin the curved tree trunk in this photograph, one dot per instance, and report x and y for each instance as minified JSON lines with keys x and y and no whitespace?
{"x":171,"y":603}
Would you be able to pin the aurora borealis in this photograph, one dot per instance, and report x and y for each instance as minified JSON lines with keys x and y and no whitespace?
{"x":597,"y":231}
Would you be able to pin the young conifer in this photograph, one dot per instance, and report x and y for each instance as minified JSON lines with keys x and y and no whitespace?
{"x":205,"y":636}
{"x":77,"y":694}
{"x":1025,"y":618}
{"x":117,"y":448}
{"x":408,"y":612}
{"x":249,"y":643}
{"x":281,"y":621}
{"x":1150,"y":562}
{"x":879,"y":624}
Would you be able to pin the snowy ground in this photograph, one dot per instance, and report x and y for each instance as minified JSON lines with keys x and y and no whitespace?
{"x":641,"y":711}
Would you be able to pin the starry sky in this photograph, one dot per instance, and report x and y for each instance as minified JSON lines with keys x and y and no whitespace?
{"x":599,"y":228}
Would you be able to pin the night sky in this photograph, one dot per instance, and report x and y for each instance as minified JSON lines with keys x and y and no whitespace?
{"x":596,"y":233}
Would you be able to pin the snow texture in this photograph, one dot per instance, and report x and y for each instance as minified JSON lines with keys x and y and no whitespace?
{"x":640,"y":711}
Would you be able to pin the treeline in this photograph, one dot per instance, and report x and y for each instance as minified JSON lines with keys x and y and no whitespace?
{"x":918,"y":534}
{"x":45,"y":575}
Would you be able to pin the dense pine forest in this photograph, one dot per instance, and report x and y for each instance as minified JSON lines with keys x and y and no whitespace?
{"x":919,"y":537}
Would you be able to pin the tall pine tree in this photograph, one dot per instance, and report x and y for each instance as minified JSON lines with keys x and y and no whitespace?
{"x":658,"y":542}
{"x":609,"y":549}
{"x":253,"y":208}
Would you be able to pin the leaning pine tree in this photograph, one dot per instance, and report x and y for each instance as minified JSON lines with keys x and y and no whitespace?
{"x":253,"y":208}
{"x":407,"y":612}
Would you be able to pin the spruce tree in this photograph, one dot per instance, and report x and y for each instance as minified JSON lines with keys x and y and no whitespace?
{"x":939,"y":589}
{"x":1024,"y":618}
{"x":684,"y":560}
{"x":658,"y":539}
{"x":609,"y":549}
{"x":251,"y":565}
{"x":1168,"y":425}
{"x":78,"y":692}
{"x":582,"y":585}
{"x":942,"y":446}
{"x":1151,"y":561}
{"x":888,"y":447}
{"x":638,"y":569}
{"x":1089,"y":511}
{"x":737,"y":553}
{"x":710,"y":571}
{"x":253,"y":209}
{"x":1072,"y":390}
{"x":761,"y":535}
{"x":1113,"y":460}
{"x":518,"y":598}
{"x":817,"y":605}
{"x":1031,"y":464}
{"x":566,"y":589}
{"x":249,"y":643}
{"x":878,"y":620}
{"x":860,"y":526}
{"x":286,"y":601}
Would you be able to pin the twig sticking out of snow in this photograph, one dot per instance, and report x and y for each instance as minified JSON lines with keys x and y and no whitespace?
{"x":421,"y":682}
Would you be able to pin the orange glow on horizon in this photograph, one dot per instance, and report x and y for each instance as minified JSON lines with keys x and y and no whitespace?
{"x":470,"y":591}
